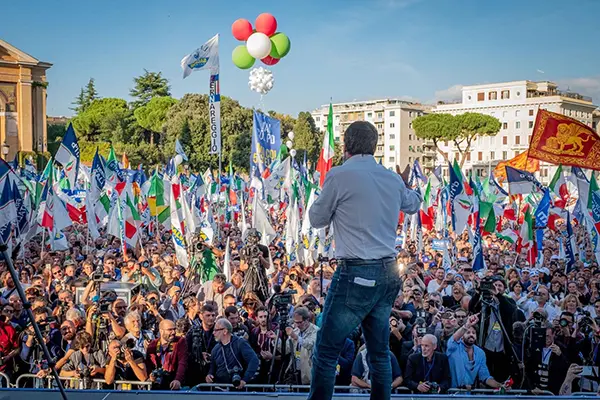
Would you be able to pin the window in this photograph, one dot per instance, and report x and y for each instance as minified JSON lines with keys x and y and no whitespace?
{"x":516,"y":153}
{"x":517,"y":113}
{"x":446,"y":143}
{"x":379,"y":115}
{"x":504,"y":140}
{"x":504,"y":155}
{"x":469,"y":156}
{"x":392,"y":113}
{"x":380,"y":147}
{"x":480,"y":156}
{"x":518,"y":125}
{"x":392,"y":147}
{"x":492,"y":155}
{"x":457,"y":156}
{"x":337,"y":116}
{"x":504,"y":113}
{"x":392,"y":125}
{"x":318,"y":119}
{"x":531,"y":113}
{"x":517,"y":139}
{"x":391,"y":159}
{"x":505,"y":94}
{"x":492,"y":95}
{"x":409,"y":137}
{"x":369,"y":115}
{"x":530,"y":124}
{"x":337,"y":128}
{"x":505,"y":125}
{"x":410,"y":125}
{"x":480,"y":96}
{"x":392,"y":136}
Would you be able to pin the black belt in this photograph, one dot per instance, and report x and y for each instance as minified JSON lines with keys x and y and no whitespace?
{"x":360,"y":261}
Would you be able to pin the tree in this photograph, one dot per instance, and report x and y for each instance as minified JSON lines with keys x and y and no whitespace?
{"x":436,"y":127}
{"x":307,"y":138}
{"x":80,"y":102}
{"x":153,"y":115}
{"x":108,"y":119}
{"x":148,"y":86}
{"x":287,"y":121}
{"x":90,"y":92}
{"x":470,"y":126}
{"x":189,"y":117}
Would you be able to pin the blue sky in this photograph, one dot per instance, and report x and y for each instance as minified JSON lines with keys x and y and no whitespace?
{"x":341,"y":49}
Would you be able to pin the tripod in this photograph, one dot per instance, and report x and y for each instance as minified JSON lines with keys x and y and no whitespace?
{"x":486,"y":305}
{"x":27,"y":306}
{"x":283,"y":314}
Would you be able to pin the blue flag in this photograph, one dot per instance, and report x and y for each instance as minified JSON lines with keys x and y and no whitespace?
{"x":541,"y":220}
{"x":521,"y":182}
{"x":570,"y":256}
{"x":266,"y":141}
{"x":179,"y":150}
{"x":68,"y":156}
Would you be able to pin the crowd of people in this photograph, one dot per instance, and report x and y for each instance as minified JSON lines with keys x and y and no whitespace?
{"x":510,"y":325}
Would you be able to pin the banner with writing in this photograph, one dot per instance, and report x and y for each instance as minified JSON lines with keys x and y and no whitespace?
{"x":214,"y":115}
{"x":266,"y":141}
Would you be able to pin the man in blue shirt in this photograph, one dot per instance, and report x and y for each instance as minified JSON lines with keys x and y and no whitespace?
{"x":467,"y":361}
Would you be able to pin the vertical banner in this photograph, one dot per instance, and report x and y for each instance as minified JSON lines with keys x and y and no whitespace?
{"x":266,"y":141}
{"x":214,"y":112}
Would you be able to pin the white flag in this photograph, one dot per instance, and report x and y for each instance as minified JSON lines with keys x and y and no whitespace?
{"x":205,"y":57}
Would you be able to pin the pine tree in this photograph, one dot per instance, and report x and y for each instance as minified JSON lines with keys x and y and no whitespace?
{"x":80,"y":102}
{"x":90,"y":92}
{"x":148,"y":86}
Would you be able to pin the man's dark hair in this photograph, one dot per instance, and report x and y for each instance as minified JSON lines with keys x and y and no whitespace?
{"x":230,"y":310}
{"x":360,"y":138}
{"x":227,"y":296}
{"x":262,"y":308}
{"x":208,"y":308}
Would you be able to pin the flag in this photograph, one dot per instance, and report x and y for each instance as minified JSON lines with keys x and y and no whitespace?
{"x":227,"y":262}
{"x":558,"y":185}
{"x":478,"y":263}
{"x":179,"y":150}
{"x":521,"y":182}
{"x":125,"y":162}
{"x":68,"y":155}
{"x":156,"y":200}
{"x":214,"y":114}
{"x":569,"y":241}
{"x":177,"y":224}
{"x":559,"y":139}
{"x":541,"y":219}
{"x":204,"y":57}
{"x":526,"y":238}
{"x":461,"y":204}
{"x":327,"y":152}
{"x":510,"y":235}
{"x":114,"y":173}
{"x":522,"y":162}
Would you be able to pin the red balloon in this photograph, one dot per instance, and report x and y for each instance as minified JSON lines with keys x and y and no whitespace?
{"x":241,"y":29}
{"x":268,"y":60}
{"x":266,"y":23}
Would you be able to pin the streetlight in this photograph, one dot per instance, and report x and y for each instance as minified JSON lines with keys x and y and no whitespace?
{"x":5,"y":149}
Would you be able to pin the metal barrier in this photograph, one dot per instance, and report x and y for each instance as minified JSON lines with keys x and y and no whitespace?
{"x":80,"y":383}
{"x":4,"y":378}
{"x":225,"y":387}
{"x":455,"y":391}
{"x":584,"y":394}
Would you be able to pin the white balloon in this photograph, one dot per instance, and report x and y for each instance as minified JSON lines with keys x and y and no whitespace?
{"x":178,"y":159}
{"x":258,"y":45}
{"x":261,"y":80}
{"x":289,"y":144}
{"x":291,"y":135}
{"x":293,"y":152}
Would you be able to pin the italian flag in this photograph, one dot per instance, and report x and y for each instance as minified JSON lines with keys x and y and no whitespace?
{"x":510,"y":235}
{"x":156,"y":200}
{"x":327,"y":152}
{"x":558,"y":185}
{"x":427,"y":211}
{"x":526,"y":240}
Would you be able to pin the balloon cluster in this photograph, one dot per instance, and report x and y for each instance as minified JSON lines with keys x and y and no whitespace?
{"x":261,"y":80}
{"x":263,"y":43}
{"x":290,"y":143}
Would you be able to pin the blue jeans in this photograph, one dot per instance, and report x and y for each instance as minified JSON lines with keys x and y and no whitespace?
{"x":362,"y":292}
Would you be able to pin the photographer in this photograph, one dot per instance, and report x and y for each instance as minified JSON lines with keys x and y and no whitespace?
{"x":200,"y":342}
{"x":254,"y":263}
{"x":428,"y":372}
{"x":142,"y":272}
{"x":31,"y":352}
{"x":540,"y":299}
{"x":497,"y":335}
{"x":99,"y":317}
{"x":135,"y":335}
{"x":124,"y":364}
{"x":167,"y":358}
{"x":302,"y":340}
{"x":232,"y":360}
{"x":84,"y":362}
{"x":216,"y":290}
{"x":590,"y":354}
{"x":361,"y":370}
{"x":547,"y":370}
{"x":233,"y":316}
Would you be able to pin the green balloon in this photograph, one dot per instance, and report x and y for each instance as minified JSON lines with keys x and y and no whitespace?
{"x":280,"y":45}
{"x":241,"y":58}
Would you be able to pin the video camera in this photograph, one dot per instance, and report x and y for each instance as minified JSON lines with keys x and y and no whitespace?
{"x":283,"y":300}
{"x":585,"y":323}
{"x":486,"y":288}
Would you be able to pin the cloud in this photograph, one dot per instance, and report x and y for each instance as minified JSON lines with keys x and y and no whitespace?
{"x":450,"y":94}
{"x":589,"y":86}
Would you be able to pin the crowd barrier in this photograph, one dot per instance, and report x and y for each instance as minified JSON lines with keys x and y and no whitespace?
{"x":79,"y":383}
{"x":100,"y":384}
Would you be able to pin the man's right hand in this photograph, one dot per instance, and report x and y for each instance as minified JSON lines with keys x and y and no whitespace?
{"x":423,"y":387}
{"x":405,"y":174}
{"x":209,"y":379}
